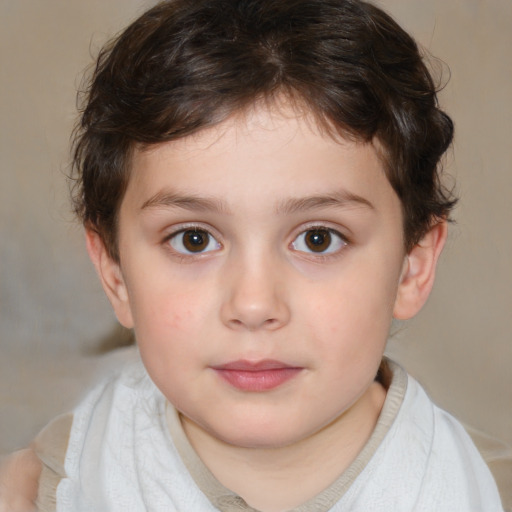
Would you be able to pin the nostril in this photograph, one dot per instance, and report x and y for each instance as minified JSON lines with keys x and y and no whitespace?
{"x":253,"y":304}
{"x":270,"y":323}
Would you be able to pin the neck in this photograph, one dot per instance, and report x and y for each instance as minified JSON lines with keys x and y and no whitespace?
{"x":281,"y":478}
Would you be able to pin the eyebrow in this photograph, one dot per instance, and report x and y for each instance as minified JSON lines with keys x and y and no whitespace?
{"x":341,"y":199}
{"x":186,"y":202}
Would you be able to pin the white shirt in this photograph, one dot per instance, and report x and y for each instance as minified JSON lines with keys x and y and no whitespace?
{"x":128,"y":453}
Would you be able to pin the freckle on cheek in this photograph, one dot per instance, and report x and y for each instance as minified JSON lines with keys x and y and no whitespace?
{"x":180,"y":320}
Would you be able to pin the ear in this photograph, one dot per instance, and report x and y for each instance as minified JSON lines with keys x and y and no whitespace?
{"x":418,"y":273}
{"x":111,"y":277}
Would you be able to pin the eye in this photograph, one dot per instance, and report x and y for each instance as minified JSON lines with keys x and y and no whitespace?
{"x":193,"y":241}
{"x":319,"y":240}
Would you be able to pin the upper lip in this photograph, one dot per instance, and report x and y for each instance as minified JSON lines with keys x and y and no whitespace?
{"x":253,"y":366}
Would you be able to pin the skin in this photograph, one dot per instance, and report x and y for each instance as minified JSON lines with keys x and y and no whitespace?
{"x":253,"y":296}
{"x":258,"y":184}
{"x":19,"y":475}
{"x":257,"y":187}
{"x":258,"y":292}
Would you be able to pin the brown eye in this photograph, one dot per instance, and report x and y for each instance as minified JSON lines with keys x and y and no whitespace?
{"x":192,"y":241}
{"x":195,"y":241}
{"x":319,"y":240}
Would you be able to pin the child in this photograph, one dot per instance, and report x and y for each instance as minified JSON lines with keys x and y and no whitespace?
{"x":260,"y":185}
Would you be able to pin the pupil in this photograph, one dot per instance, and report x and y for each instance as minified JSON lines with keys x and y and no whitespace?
{"x":318,"y":240}
{"x":195,"y":241}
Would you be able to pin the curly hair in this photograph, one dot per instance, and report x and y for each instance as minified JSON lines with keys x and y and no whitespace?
{"x":184,"y":66}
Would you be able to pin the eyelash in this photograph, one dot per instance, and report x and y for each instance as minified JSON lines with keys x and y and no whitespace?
{"x":181,"y":251}
{"x":179,"y":247}
{"x":340,"y":241}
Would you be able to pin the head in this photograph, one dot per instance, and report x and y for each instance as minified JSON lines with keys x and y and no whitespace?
{"x":185,"y":66}
{"x":260,"y":185}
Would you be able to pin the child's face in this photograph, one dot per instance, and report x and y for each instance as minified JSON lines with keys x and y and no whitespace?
{"x":260,"y":264}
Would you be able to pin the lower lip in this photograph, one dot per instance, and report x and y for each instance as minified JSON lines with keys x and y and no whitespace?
{"x":260,"y":380}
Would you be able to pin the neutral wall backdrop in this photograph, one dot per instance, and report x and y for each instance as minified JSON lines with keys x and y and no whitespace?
{"x":53,"y":315}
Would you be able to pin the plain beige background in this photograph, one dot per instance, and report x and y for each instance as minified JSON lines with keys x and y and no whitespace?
{"x":53,"y":314}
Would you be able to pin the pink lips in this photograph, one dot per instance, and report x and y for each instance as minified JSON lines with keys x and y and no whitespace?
{"x":256,"y":376}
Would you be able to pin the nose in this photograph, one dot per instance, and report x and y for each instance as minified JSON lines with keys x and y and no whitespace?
{"x":255,"y":297}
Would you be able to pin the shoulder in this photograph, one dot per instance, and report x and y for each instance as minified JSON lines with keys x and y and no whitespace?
{"x":114,"y":398}
{"x":498,"y":457}
{"x":105,"y":420}
{"x":19,"y":481}
{"x":426,"y":461}
{"x":453,"y":467}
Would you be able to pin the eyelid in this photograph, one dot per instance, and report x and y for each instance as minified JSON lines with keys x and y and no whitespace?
{"x":185,"y":226}
{"x":174,"y":231}
{"x":320,"y":226}
{"x":341,"y":231}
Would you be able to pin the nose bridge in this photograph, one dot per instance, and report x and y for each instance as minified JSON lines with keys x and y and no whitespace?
{"x":255,"y":294}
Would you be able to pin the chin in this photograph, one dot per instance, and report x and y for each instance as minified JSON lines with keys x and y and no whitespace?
{"x":258,"y":436}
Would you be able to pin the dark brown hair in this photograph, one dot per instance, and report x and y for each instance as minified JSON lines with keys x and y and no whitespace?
{"x":185,"y":65}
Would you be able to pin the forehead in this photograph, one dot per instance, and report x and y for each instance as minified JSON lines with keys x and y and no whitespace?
{"x":265,"y":153}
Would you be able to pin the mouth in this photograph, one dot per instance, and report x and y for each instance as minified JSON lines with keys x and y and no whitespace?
{"x":256,"y":376}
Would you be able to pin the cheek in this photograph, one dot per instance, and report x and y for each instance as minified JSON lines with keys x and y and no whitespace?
{"x":170,"y":329}
{"x":167,"y":317}
{"x":353,"y":309}
{"x":179,"y":316}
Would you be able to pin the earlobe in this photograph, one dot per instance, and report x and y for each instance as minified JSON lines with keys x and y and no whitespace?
{"x":111,"y":277}
{"x":418,"y":273}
